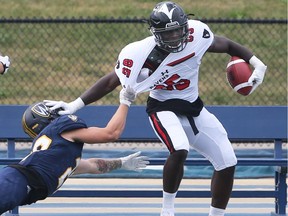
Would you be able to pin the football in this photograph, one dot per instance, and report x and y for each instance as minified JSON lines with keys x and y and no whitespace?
{"x":238,"y":72}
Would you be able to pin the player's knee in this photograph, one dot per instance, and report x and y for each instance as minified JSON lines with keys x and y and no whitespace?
{"x":228,"y":171}
{"x":179,"y":156}
{"x":181,"y":146}
{"x":228,"y":160}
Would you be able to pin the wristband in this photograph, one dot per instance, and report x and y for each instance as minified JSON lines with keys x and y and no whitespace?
{"x":256,"y":62}
{"x":126,"y":102}
{"x":77,"y":104}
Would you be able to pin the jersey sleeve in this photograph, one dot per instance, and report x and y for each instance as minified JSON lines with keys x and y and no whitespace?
{"x":131,"y":60}
{"x":69,"y":122}
{"x":203,"y":36}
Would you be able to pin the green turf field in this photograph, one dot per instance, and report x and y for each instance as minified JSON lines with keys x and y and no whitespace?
{"x":139,"y":8}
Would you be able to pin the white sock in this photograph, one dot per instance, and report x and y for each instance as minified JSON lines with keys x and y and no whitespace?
{"x":168,"y":200}
{"x":216,"y":211}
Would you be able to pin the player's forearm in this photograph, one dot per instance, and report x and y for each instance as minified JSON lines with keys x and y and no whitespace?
{"x":105,"y":165}
{"x":102,"y":87}
{"x":97,"y":166}
{"x":117,"y":123}
{"x":236,"y":49}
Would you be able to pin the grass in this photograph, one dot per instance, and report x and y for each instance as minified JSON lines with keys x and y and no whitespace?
{"x":60,"y":61}
{"x":141,"y":8}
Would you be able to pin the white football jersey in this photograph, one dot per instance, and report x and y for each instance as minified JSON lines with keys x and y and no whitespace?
{"x":176,"y":75}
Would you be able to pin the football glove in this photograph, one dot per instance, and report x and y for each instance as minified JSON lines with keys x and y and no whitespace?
{"x":134,"y":162}
{"x":258,"y":74}
{"x":127,"y":96}
{"x":5,"y":62}
{"x":65,"y":108}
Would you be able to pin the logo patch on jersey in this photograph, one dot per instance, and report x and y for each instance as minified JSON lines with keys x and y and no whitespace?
{"x":73,"y":117}
{"x":41,"y":110}
{"x":206,"y":34}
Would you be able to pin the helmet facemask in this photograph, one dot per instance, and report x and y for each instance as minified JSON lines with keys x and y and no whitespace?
{"x":172,"y":39}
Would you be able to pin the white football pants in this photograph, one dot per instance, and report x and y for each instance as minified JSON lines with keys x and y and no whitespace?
{"x":203,"y":133}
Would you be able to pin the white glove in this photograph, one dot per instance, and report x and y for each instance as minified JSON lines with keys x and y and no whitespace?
{"x":65,"y":108}
{"x":6,"y":63}
{"x":127,"y":95}
{"x":258,"y":74}
{"x":134,"y":162}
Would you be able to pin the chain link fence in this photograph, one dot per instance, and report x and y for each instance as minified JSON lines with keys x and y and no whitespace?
{"x":59,"y":59}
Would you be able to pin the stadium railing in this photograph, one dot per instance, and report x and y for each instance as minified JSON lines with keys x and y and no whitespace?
{"x":243,"y":124}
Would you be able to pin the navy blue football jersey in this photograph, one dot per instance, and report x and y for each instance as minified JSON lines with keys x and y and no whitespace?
{"x":54,"y":157}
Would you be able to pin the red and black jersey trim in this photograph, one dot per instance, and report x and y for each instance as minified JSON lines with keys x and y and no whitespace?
{"x":161,"y":131}
{"x":178,"y":61}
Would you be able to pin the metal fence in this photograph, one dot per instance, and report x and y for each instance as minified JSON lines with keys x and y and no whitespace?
{"x":60,"y":58}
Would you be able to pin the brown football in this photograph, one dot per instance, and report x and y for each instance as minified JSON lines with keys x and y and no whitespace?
{"x":238,"y":72}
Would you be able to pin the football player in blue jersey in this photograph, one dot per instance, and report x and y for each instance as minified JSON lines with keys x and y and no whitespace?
{"x":56,"y":153}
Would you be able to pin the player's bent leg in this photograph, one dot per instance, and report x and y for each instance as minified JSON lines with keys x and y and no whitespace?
{"x":213,"y":143}
{"x":13,"y":190}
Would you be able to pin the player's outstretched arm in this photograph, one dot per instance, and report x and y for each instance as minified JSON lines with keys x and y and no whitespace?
{"x":102,"y":87}
{"x":133,"y":162}
{"x":113,"y":129}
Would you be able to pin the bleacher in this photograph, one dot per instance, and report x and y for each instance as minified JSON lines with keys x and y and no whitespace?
{"x":243,"y":124}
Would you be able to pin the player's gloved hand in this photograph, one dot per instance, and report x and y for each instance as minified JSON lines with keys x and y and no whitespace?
{"x":258,"y":74}
{"x":6,"y":63}
{"x":127,"y":95}
{"x":65,"y":108}
{"x":134,"y":162}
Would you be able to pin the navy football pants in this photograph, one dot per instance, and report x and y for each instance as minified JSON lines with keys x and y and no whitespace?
{"x":13,"y":189}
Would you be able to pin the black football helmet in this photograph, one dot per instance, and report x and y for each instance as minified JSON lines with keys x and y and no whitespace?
{"x":36,"y":118}
{"x":169,"y":24}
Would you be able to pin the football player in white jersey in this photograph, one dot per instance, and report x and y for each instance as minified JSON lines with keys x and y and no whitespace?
{"x":167,"y":64}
